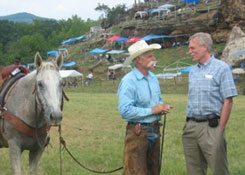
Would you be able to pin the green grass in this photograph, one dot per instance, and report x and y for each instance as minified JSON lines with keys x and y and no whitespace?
{"x":94,"y":133}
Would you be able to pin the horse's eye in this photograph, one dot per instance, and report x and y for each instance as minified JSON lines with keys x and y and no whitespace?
{"x":40,"y":85}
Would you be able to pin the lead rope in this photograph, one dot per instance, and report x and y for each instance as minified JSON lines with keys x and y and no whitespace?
{"x":60,"y":138}
{"x":62,"y":142}
{"x":83,"y":166}
{"x":60,"y":149}
{"x":163,"y":133}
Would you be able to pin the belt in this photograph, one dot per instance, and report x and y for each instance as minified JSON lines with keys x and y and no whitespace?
{"x":196,"y":119}
{"x":202,"y":119}
{"x":144,"y":124}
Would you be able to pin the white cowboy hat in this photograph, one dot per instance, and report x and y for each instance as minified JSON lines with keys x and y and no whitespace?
{"x":138,"y":49}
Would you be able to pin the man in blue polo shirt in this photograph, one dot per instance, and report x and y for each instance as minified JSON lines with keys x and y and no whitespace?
{"x":211,"y":89}
{"x":141,"y":105}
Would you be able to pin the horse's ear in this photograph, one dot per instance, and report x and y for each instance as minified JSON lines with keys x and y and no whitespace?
{"x":59,"y":61}
{"x":38,"y":60}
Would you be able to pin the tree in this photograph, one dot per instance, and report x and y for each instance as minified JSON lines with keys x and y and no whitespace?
{"x":24,"y":40}
{"x":116,"y":13}
{"x":26,"y":48}
{"x":103,"y":8}
{"x":112,"y":14}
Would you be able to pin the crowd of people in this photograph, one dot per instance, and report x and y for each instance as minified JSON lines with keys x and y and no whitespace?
{"x":69,"y":84}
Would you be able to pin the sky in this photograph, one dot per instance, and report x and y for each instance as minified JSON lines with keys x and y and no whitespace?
{"x":59,"y":9}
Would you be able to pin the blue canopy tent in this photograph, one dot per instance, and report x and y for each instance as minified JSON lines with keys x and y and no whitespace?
{"x":68,"y":41}
{"x":73,"y":39}
{"x":69,"y":64}
{"x":97,"y":50}
{"x":191,"y":1}
{"x":121,"y":39}
{"x":151,"y":36}
{"x":151,"y":10}
{"x":186,"y":70}
{"x":53,"y":52}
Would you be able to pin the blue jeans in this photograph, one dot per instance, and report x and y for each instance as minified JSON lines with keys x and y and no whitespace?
{"x":152,"y":137}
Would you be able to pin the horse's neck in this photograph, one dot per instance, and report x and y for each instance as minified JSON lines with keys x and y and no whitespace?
{"x":21,"y":101}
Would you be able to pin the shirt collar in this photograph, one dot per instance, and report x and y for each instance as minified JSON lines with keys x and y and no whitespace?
{"x":199,"y":65}
{"x":139,"y":75}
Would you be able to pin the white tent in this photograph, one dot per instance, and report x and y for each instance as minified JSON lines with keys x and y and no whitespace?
{"x":238,"y":71}
{"x":116,"y":51}
{"x":116,"y":66}
{"x":70,"y":73}
{"x":168,"y":75}
{"x":142,"y":14}
{"x":166,"y":6}
{"x":238,"y":53}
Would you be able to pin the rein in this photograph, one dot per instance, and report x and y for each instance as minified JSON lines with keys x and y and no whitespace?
{"x":62,"y":141}
{"x":163,"y":133}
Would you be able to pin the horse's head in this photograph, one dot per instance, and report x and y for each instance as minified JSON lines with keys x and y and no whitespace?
{"x":49,"y":88}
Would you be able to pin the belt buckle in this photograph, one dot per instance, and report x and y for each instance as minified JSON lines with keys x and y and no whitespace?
{"x":137,"y":129}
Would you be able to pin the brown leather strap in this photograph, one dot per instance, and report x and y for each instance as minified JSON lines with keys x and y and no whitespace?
{"x":22,"y":127}
{"x":64,"y":95}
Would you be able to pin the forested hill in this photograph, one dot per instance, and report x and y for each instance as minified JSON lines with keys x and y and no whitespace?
{"x":23,"y":17}
{"x":25,"y":39}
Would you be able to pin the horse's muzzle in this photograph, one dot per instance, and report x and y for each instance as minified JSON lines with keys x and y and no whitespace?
{"x":55,"y":118}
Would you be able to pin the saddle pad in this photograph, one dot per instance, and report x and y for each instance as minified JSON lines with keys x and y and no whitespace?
{"x":6,"y":87}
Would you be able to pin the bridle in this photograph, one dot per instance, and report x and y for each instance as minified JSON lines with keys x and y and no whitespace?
{"x":39,"y":103}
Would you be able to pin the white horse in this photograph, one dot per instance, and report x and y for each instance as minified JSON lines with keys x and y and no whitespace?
{"x":36,"y":100}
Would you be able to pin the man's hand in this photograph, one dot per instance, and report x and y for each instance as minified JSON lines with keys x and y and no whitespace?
{"x":161,"y":109}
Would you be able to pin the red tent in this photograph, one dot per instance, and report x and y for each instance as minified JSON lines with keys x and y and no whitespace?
{"x":113,"y":38}
{"x":132,"y":40}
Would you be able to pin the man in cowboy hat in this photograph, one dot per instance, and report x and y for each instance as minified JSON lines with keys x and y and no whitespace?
{"x":141,"y":105}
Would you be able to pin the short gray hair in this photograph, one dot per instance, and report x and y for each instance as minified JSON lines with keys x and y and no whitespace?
{"x":140,"y":56}
{"x":203,"y":38}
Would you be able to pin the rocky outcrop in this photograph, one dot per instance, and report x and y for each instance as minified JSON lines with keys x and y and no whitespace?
{"x":233,"y":12}
{"x":218,"y":21}
{"x":235,"y":42}
{"x":230,"y":14}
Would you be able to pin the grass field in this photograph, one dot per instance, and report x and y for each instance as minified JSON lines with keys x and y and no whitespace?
{"x":94,"y":133}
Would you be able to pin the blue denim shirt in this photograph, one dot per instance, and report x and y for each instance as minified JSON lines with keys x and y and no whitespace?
{"x":137,"y":95}
{"x":209,"y":84}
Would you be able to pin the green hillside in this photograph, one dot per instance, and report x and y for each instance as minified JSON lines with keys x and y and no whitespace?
{"x":167,"y":59}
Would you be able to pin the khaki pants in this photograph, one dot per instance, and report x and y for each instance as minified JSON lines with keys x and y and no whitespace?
{"x":138,"y":160}
{"x":204,"y":145}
